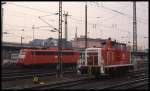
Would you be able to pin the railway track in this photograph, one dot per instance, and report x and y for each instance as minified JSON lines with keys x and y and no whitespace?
{"x":131,"y":84}
{"x":9,"y":74}
{"x":54,"y":84}
{"x":94,"y":84}
{"x":13,"y":72}
{"x":66,"y":83}
{"x":79,"y":82}
{"x":72,"y":83}
{"x":29,"y":71}
{"x":41,"y":73}
{"x":17,"y":70}
{"x":93,"y":81}
{"x":10,"y":77}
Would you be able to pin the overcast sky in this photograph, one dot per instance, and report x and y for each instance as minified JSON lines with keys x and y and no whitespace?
{"x":105,"y":19}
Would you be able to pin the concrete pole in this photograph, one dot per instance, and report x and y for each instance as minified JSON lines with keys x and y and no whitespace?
{"x":134,"y":35}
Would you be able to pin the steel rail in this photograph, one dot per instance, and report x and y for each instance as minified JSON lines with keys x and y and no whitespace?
{"x":53,"y":84}
{"x":31,"y":75}
{"x":125,"y":83}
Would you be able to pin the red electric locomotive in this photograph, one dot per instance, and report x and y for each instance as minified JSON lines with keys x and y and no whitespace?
{"x":47,"y":57}
{"x":113,"y":57}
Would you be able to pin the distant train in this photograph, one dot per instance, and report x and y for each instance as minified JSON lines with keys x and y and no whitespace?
{"x":47,"y":57}
{"x":113,"y":57}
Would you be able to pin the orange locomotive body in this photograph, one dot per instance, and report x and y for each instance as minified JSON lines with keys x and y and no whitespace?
{"x":47,"y":56}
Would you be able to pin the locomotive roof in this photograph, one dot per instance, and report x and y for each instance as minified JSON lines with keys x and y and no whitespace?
{"x":47,"y":50}
{"x":114,"y":42}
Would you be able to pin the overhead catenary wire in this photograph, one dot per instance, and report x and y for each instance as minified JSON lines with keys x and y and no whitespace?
{"x":32,"y":15}
{"x":106,"y":26}
{"x":91,"y":23}
{"x":119,"y":12}
{"x":6,"y":24}
{"x":32,"y":8}
{"x":112,"y":17}
{"x":100,"y":24}
{"x":56,"y":13}
{"x":48,"y":23}
{"x":11,"y":29}
{"x":110,"y":9}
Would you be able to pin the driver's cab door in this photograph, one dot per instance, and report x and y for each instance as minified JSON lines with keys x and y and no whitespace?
{"x":92,"y":57}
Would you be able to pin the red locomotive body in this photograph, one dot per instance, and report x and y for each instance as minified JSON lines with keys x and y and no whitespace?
{"x":111,"y":58}
{"x":47,"y":56}
{"x":115,"y":56}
